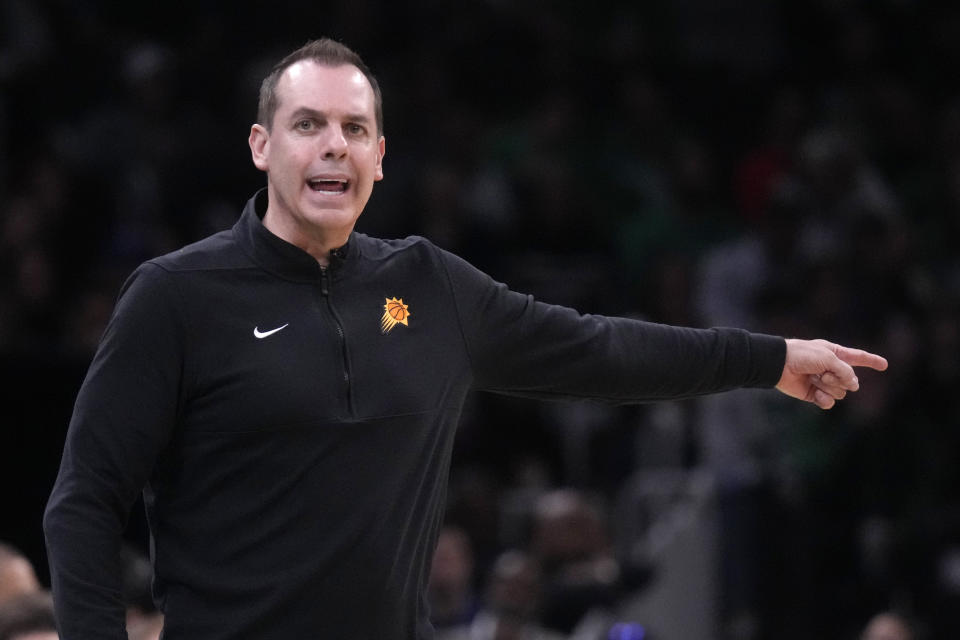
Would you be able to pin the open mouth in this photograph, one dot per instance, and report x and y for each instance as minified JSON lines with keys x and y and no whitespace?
{"x":329,"y":185}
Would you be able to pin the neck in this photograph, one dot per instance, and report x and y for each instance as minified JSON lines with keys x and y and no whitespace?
{"x":317,"y":243}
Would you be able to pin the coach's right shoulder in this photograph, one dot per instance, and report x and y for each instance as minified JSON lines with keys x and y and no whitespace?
{"x":219,"y":251}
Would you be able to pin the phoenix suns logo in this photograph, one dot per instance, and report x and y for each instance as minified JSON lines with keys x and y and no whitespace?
{"x":394,"y":313}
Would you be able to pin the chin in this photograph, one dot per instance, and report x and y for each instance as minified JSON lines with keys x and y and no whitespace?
{"x":330,"y":218}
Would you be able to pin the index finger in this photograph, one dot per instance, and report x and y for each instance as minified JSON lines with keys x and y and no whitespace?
{"x":861,"y":358}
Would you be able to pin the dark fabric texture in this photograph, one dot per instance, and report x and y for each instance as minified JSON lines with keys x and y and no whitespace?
{"x":295,"y":483}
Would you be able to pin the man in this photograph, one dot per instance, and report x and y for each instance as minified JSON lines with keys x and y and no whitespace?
{"x":887,"y":626}
{"x":17,"y":575}
{"x":28,"y":616}
{"x":285,"y":393}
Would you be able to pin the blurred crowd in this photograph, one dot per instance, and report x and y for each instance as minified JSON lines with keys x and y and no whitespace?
{"x":789,"y":167}
{"x":26,"y":605}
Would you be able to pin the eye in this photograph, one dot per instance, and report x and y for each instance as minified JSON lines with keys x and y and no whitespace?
{"x":355,"y":129}
{"x":303,"y":125}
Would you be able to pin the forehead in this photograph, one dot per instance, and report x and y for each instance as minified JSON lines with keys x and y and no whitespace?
{"x":309,"y":84}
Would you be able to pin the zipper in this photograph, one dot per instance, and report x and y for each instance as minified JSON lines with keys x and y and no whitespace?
{"x":325,"y":290}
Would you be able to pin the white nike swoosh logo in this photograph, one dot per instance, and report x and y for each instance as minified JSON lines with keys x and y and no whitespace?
{"x":263,"y":334}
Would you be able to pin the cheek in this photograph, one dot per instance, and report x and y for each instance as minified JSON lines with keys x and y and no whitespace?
{"x":287,"y":155}
{"x":290,"y":169}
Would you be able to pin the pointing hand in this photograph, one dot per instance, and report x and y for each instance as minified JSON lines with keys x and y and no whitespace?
{"x":822,"y":372}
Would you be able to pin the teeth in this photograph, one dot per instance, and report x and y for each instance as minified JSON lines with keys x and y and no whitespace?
{"x":327,"y":184}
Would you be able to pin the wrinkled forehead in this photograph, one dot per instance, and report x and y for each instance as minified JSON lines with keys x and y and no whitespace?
{"x":308,"y":81}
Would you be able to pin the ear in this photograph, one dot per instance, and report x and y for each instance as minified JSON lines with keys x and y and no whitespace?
{"x":259,"y":142}
{"x":381,"y":151}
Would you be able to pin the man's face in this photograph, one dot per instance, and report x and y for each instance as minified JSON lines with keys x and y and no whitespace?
{"x":322,"y":153}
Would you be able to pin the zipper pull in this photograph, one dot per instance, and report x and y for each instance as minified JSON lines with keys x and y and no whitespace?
{"x":324,"y":288}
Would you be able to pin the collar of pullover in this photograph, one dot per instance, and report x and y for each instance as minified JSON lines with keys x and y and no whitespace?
{"x":279,"y":256}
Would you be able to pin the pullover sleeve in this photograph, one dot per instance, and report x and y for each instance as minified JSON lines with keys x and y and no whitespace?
{"x":122,"y":419}
{"x":521,"y":346}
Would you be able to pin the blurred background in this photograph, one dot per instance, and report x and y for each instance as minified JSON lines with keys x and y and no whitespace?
{"x":790,"y":167}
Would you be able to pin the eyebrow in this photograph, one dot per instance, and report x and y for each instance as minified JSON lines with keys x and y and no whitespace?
{"x":320,"y":115}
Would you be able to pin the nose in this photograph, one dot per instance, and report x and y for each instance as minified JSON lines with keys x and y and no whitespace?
{"x":333,"y":144}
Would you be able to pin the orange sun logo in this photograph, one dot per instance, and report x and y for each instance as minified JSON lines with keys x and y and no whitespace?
{"x":394,"y":313}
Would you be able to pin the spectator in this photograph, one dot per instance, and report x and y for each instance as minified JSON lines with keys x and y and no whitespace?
{"x":451,"y":591}
{"x":511,"y":606}
{"x":28,"y":616}
{"x":571,"y":544}
{"x":887,"y":626}
{"x":17,"y":575}
{"x":144,"y":622}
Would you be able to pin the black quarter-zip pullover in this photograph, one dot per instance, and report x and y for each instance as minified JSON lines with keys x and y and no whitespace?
{"x":293,"y":444}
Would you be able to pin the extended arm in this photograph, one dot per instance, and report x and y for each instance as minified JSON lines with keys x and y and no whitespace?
{"x":520,"y":346}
